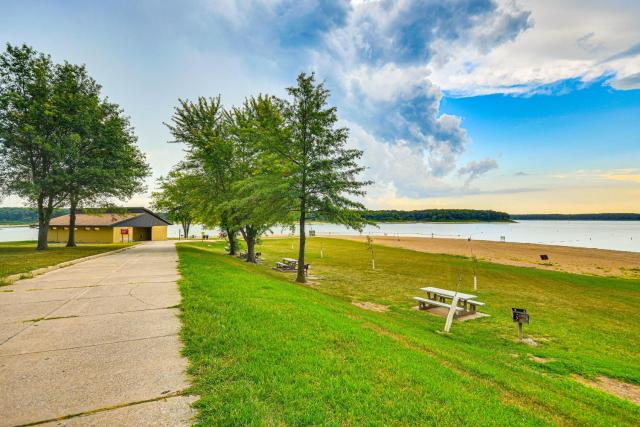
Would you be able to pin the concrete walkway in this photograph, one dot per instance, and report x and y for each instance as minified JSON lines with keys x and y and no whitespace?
{"x":95,"y":344}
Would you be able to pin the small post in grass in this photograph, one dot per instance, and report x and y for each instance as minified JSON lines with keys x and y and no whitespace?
{"x":370,"y":248}
{"x":475,"y":273}
{"x":321,"y":249}
{"x":521,"y":316}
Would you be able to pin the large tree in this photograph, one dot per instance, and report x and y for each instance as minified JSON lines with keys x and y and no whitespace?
{"x":32,"y":143}
{"x":321,"y":173}
{"x":254,"y":205}
{"x":201,"y":127}
{"x":102,"y":160}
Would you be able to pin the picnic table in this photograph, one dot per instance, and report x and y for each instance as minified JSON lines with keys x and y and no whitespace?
{"x":291,"y":264}
{"x":444,"y":298}
{"x":290,"y":261}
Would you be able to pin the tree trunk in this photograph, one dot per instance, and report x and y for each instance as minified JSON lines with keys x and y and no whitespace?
{"x":44,"y":215}
{"x":301,"y":278}
{"x":185,"y":228}
{"x":249,"y":235}
{"x":233,"y":244}
{"x":73,"y":204}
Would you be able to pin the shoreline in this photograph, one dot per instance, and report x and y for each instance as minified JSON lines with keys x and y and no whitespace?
{"x":569,"y":259}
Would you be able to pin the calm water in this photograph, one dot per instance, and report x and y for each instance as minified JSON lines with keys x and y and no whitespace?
{"x":619,"y":235}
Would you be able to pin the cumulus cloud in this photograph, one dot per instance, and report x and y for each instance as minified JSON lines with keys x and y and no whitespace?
{"x":567,"y":39}
{"x":389,"y":64}
{"x":627,"y":83}
{"x":381,"y":60}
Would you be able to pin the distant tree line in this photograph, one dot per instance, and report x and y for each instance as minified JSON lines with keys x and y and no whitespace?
{"x":581,"y":217}
{"x":437,"y":215}
{"x":24,"y":215}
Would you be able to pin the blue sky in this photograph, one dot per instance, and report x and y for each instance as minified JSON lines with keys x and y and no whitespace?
{"x":517,"y":105}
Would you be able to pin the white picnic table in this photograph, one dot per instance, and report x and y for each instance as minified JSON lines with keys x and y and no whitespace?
{"x":437,"y":298}
{"x":290,"y":261}
{"x":441,"y":295}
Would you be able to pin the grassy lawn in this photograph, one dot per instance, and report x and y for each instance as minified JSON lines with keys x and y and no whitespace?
{"x":22,"y":257}
{"x":263,"y":350}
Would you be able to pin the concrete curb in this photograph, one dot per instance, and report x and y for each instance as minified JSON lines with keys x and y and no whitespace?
{"x":9,"y":280}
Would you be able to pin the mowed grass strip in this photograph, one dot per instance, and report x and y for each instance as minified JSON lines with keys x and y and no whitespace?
{"x":264,"y":351}
{"x":22,"y":257}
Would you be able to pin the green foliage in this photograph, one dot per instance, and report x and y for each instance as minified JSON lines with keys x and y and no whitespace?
{"x":210,"y":159}
{"x":225,"y":154}
{"x":31,"y":142}
{"x":265,"y":351}
{"x":178,"y":198}
{"x":10,"y":215}
{"x":101,"y":159}
{"x":59,"y":141}
{"x":320,"y":175}
{"x":438,"y":215}
{"x":254,"y":204}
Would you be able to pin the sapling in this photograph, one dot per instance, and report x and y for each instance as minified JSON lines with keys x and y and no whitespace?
{"x":370,"y":248}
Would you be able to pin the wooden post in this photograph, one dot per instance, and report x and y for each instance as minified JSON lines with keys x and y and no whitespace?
{"x":452,"y":311}
{"x":475,"y":282}
{"x":520,"y":330}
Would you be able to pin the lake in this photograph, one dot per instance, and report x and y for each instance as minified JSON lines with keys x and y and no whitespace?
{"x":617,"y":235}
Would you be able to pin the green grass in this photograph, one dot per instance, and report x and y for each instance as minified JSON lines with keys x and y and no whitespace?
{"x":263,"y":350}
{"x":22,"y":257}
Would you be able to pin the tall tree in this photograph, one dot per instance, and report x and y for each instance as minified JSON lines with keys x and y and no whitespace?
{"x":178,"y":197}
{"x":253,"y":204}
{"x":31,"y":140}
{"x":200,"y":126}
{"x":321,"y":173}
{"x":102,"y":160}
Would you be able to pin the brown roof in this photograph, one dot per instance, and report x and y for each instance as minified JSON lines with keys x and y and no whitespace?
{"x":93,"y":220}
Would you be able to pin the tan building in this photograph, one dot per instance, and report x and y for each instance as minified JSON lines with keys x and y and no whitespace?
{"x":135,"y":224}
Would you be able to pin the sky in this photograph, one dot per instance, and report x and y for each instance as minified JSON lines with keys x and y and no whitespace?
{"x":523,"y":106}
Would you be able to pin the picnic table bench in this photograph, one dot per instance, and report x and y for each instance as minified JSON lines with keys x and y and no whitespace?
{"x":425,"y":303}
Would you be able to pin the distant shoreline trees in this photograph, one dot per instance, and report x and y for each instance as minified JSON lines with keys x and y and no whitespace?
{"x":437,"y":215}
{"x":60,"y":142}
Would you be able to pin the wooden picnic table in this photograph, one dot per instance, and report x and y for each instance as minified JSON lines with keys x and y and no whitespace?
{"x":292,"y":261}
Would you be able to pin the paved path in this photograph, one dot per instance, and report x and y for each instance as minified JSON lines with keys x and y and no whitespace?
{"x":98,"y":340}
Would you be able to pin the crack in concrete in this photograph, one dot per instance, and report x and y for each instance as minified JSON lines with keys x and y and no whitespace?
{"x":86,"y":346}
{"x":110,"y":408}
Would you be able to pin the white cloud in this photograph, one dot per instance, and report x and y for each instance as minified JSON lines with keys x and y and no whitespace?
{"x":568,"y":39}
{"x":477,"y":168}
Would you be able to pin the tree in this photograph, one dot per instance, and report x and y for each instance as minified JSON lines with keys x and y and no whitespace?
{"x":102,"y":160}
{"x":320,"y":172}
{"x":31,"y":142}
{"x":178,"y":198}
{"x":200,"y":125}
{"x":253,"y":205}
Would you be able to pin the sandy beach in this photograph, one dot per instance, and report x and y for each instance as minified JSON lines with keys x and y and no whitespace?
{"x":598,"y":262}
